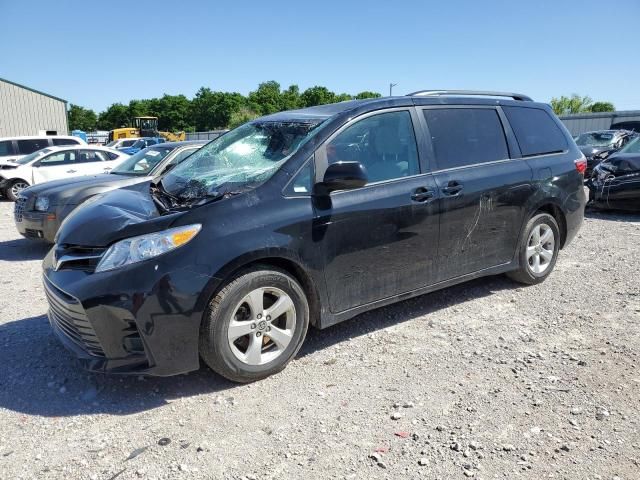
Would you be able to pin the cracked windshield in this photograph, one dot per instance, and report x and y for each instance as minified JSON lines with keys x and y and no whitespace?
{"x":243,"y":158}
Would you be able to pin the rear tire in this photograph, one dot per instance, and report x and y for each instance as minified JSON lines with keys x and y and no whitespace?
{"x":538,"y":250}
{"x":239,"y":339}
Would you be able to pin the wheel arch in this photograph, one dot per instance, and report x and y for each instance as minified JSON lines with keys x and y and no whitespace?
{"x":276,"y":259}
{"x":556,"y":212}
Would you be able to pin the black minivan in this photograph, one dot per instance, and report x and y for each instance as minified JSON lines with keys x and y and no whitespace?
{"x":307,"y":217}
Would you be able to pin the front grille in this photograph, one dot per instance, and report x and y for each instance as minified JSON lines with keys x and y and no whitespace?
{"x":18,"y":209}
{"x":68,"y":315}
{"x":73,"y":257}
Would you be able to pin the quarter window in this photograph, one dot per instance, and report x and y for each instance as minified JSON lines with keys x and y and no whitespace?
{"x":466,"y":136}
{"x":537,"y":133}
{"x":6,"y":148}
{"x":301,"y":183}
{"x":385,"y":144}
{"x":25,"y":147}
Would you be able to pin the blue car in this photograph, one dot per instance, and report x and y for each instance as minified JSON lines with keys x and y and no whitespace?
{"x":142,"y":143}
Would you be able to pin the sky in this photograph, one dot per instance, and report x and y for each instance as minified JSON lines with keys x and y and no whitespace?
{"x":97,"y":53}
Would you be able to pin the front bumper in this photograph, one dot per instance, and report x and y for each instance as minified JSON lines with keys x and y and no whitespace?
{"x":141,"y":319}
{"x":35,"y":225}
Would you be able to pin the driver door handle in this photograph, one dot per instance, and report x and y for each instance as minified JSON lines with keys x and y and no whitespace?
{"x":71,"y":171}
{"x":422,"y":195}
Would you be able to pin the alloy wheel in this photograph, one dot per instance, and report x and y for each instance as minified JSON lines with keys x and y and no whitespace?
{"x":262,"y":326}
{"x":17,"y":187}
{"x":540,"y":248}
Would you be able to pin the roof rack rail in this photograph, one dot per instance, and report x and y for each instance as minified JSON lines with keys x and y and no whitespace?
{"x":438,"y":93}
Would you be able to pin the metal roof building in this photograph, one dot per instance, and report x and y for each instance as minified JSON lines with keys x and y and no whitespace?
{"x":25,"y":111}
{"x":587,"y":122}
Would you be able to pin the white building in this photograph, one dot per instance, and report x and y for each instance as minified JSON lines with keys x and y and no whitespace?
{"x":25,"y":111}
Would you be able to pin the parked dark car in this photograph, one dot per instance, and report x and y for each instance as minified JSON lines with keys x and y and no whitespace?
{"x":598,"y":145}
{"x":39,"y":210}
{"x":615,"y":183}
{"x":311,"y":217}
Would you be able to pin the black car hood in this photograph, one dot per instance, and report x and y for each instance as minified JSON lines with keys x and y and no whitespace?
{"x":66,"y":191}
{"x":106,"y":218}
{"x":590,"y":150}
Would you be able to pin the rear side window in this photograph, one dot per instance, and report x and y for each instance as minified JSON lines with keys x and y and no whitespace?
{"x":25,"y":147}
{"x":537,"y":133}
{"x":112,"y":156}
{"x":92,"y":156}
{"x":6,"y":148}
{"x":65,"y":141}
{"x":466,"y":136}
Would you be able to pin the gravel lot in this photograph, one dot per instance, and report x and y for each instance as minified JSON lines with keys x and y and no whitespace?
{"x":483,"y":380}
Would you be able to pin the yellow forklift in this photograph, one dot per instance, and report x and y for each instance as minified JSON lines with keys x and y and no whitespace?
{"x":145,"y":127}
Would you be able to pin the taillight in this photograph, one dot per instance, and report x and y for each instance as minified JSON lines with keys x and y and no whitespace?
{"x":581,"y":165}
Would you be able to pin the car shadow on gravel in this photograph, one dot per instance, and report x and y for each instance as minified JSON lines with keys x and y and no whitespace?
{"x":38,"y":376}
{"x":404,"y":311}
{"x":23,"y":249}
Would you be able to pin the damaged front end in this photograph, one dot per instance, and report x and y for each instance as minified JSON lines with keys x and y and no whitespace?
{"x":615,"y":183}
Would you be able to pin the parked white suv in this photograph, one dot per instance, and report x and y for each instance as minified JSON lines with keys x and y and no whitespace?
{"x":54,"y":163}
{"x":14,"y":148}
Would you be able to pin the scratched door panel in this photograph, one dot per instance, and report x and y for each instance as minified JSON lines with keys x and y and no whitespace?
{"x":378,"y":242}
{"x":480,"y":225}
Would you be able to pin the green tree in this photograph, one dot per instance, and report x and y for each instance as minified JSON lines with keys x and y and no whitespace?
{"x":602,"y":107}
{"x":81,"y":118}
{"x":574,"y":104}
{"x":367,"y":94}
{"x":267,"y":98}
{"x":244,"y":115}
{"x":212,"y":110}
{"x":317,"y":96}
{"x":173,"y":112}
{"x":116,"y":116}
{"x":342,"y":97}
{"x":290,"y":98}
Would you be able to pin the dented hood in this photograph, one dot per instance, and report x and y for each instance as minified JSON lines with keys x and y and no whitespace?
{"x":112,"y":216}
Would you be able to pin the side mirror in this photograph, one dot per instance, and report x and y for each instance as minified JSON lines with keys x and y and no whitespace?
{"x":342,"y":176}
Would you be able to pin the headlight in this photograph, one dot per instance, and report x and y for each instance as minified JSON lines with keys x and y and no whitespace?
{"x":137,"y":249}
{"x":42,"y":204}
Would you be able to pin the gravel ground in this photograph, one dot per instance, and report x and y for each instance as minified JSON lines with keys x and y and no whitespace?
{"x":484,"y":380}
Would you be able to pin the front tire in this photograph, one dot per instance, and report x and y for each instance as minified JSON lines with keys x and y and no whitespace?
{"x":538,"y":250}
{"x":13,"y":191}
{"x":255,"y":325}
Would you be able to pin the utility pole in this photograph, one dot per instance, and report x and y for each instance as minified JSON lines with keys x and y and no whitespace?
{"x":391,"y":85}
